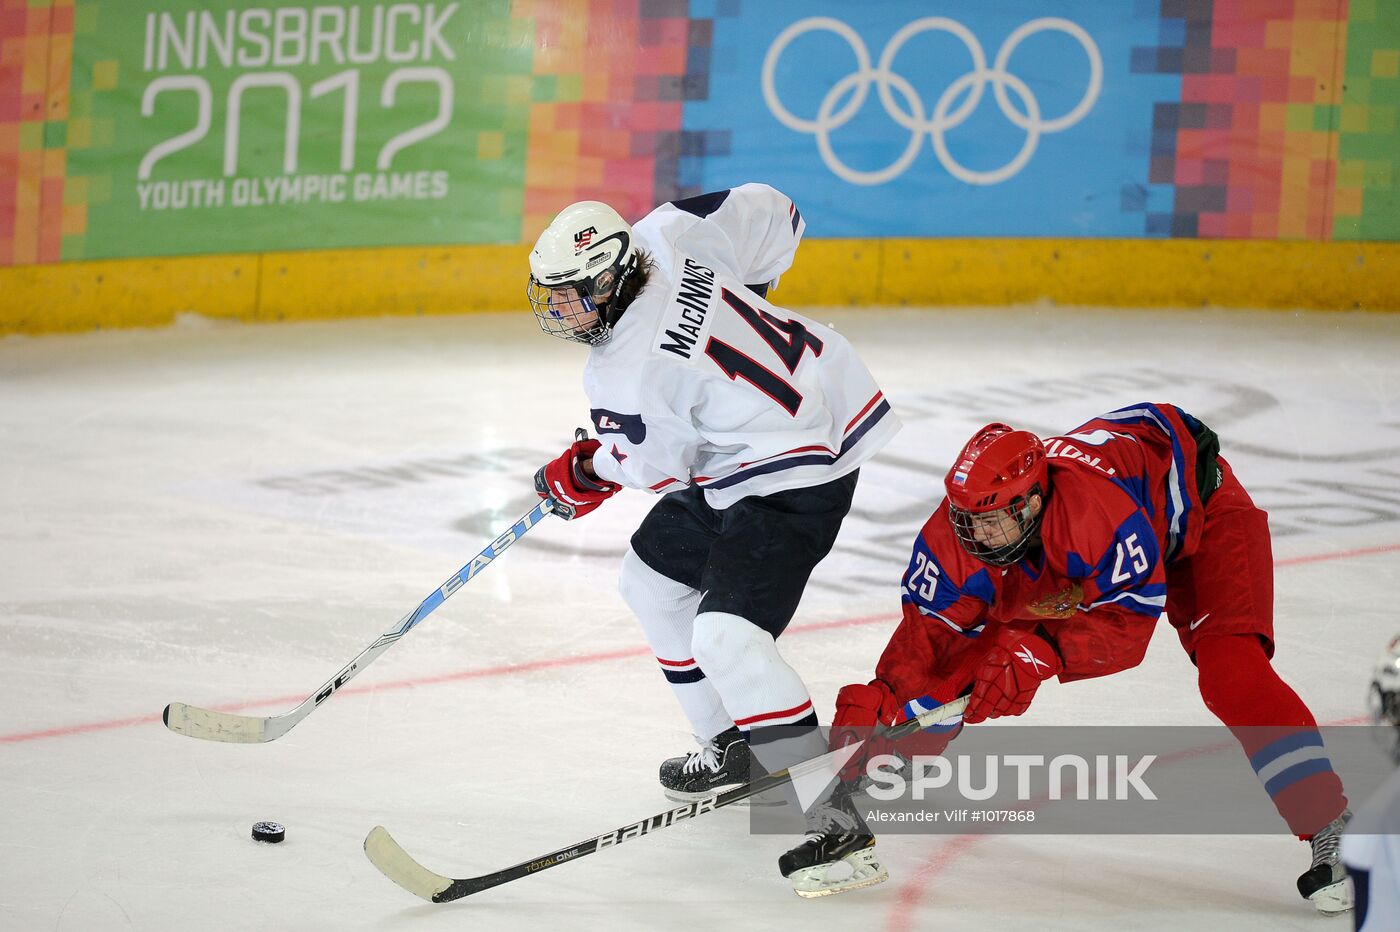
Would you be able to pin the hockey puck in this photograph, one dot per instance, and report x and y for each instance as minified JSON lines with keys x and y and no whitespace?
{"x":271,"y":832}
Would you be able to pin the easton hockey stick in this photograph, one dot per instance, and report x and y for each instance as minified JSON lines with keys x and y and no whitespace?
{"x":213,"y":725}
{"x":396,"y":864}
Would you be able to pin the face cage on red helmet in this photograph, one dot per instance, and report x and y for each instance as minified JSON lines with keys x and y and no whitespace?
{"x":1007,"y":554}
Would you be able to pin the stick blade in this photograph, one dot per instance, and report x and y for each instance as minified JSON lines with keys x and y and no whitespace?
{"x":195,"y":722}
{"x":394,"y":862}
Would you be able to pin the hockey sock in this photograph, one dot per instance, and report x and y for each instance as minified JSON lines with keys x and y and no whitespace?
{"x":765,"y":696}
{"x":1275,"y":728}
{"x":666,"y":609}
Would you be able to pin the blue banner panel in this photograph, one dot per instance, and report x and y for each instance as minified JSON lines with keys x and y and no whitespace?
{"x":935,"y":119}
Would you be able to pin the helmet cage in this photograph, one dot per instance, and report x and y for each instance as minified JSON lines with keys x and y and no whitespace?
{"x":967,"y":522}
{"x":577,"y":311}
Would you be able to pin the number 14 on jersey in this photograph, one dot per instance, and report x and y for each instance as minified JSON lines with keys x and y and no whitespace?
{"x":787,"y":339}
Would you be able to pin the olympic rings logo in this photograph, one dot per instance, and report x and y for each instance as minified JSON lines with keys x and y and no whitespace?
{"x":945,"y":115}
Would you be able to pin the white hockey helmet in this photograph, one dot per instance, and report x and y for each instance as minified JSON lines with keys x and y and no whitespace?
{"x":578,"y":263}
{"x":1385,"y":695}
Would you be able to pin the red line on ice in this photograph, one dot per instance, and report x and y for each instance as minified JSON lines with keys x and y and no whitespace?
{"x":509,"y":669}
{"x":1339,"y":555}
{"x":910,"y":895}
{"x":545,"y":664}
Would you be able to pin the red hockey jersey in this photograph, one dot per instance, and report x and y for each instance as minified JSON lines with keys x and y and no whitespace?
{"x":1124,"y":503}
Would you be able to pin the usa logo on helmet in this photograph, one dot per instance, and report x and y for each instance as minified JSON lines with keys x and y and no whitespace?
{"x":583,"y":239}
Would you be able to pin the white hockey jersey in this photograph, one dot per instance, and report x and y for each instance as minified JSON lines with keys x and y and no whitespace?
{"x":706,"y":383}
{"x":1371,"y":853}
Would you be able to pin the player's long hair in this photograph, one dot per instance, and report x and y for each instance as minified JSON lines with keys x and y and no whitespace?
{"x":631,"y":285}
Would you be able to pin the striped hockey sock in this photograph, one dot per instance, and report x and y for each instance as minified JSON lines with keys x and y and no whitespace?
{"x":1275,"y":728}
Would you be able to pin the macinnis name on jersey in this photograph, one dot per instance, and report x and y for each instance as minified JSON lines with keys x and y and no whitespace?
{"x":686,"y":315}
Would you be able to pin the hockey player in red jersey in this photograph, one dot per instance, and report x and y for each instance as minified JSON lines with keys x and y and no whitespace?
{"x":1057,"y":559}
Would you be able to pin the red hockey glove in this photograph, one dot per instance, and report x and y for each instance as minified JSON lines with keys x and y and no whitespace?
{"x":1009,"y":676}
{"x":570,"y":483}
{"x":861,"y":708}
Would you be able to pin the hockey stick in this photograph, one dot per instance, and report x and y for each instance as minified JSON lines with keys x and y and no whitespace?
{"x":396,"y":864}
{"x":213,"y":725}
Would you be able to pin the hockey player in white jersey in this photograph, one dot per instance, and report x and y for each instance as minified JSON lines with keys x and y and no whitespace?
{"x":1371,"y":845}
{"x":750,"y":419}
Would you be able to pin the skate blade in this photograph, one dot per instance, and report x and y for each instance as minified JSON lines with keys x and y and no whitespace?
{"x":1334,"y":898}
{"x":865,"y":870}
{"x":680,"y":797}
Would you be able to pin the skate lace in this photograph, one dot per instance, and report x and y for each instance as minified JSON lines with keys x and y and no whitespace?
{"x":827,"y":819}
{"x":1326,"y":844}
{"x":707,"y":757}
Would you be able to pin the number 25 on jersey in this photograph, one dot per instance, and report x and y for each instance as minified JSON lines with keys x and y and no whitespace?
{"x":1134,"y":553}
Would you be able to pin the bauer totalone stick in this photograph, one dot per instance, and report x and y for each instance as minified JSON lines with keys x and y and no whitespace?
{"x":396,"y":864}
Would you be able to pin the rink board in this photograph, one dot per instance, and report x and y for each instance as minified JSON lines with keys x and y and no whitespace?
{"x":74,"y":296}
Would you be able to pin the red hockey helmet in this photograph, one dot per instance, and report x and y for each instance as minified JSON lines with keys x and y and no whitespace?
{"x":989,"y":486}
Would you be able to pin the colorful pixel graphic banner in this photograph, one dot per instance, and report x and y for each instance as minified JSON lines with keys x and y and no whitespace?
{"x":1286,"y":123}
{"x":168,"y":127}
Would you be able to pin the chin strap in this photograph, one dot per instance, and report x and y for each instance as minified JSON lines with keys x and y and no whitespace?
{"x":611,"y":312}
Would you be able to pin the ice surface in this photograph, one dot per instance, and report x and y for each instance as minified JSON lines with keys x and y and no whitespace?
{"x":224,"y":514}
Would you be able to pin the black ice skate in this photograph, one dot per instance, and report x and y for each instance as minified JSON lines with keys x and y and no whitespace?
{"x":721,"y":764}
{"x":1326,"y":882}
{"x":838,"y":853}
